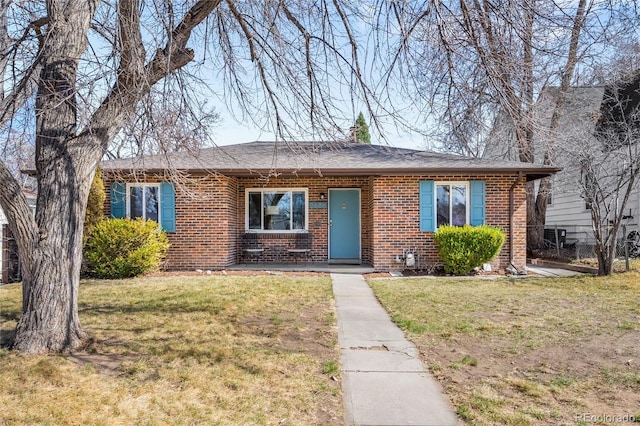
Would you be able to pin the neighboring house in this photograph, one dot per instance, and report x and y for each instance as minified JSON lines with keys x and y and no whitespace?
{"x":566,"y":209}
{"x":9,"y":262}
{"x":357,"y":203}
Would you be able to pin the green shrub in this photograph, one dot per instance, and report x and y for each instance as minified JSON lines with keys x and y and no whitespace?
{"x":463,"y":248}
{"x":123,"y":248}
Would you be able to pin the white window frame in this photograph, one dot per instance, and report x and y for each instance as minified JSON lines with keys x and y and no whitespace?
{"x":144,"y":199}
{"x":276,"y":231}
{"x":550,"y":195}
{"x":467,"y":186}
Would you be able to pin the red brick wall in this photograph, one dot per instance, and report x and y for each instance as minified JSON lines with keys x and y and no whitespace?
{"x":205,"y":215}
{"x":210,"y":219}
{"x":233,"y":198}
{"x":370,"y":220}
{"x":396,"y":218}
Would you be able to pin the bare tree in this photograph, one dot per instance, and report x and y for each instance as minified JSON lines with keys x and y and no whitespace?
{"x":610,"y":165}
{"x":482,"y":60}
{"x":90,"y":64}
{"x":164,"y":123}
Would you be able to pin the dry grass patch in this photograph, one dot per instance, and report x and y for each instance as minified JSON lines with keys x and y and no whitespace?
{"x":184,"y":350}
{"x":526,"y":351}
{"x":618,"y":266}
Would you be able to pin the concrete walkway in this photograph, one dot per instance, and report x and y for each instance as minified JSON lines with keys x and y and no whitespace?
{"x":383,"y":381}
{"x":551,"y":272}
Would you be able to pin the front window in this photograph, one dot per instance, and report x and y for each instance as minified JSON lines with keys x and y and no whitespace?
{"x":276,"y":209}
{"x":143,"y":201}
{"x":452,"y":204}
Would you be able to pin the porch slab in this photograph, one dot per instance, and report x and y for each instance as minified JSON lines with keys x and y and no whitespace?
{"x":323,"y":267}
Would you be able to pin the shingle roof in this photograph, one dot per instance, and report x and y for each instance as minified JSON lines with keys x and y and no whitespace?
{"x":321,"y":158}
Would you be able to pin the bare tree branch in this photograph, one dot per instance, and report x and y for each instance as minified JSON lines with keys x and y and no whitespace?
{"x":280,"y":58}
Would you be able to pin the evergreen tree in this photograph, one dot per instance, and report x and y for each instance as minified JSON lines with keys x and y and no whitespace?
{"x":95,"y":203}
{"x":362,"y":130}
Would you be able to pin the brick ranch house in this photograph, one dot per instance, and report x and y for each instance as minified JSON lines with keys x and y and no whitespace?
{"x":352,"y":203}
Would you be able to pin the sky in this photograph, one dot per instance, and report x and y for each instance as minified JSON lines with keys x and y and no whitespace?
{"x":229,"y":132}
{"x":332,"y":78}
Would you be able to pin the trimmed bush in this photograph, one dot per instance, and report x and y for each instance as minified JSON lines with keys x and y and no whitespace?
{"x":463,"y":248}
{"x":124,"y":248}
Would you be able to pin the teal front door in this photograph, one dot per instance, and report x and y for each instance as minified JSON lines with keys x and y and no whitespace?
{"x":344,"y":225}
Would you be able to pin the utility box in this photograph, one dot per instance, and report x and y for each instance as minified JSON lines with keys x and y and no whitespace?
{"x":550,"y":235}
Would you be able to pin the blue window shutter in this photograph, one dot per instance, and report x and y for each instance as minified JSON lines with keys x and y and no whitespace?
{"x":427,"y":209}
{"x":477,"y":202}
{"x":168,"y":207}
{"x":118,"y":194}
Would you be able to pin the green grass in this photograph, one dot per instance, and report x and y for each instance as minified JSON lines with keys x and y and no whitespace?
{"x":184,"y":350}
{"x":466,"y":360}
{"x":331,"y":368}
{"x":525,"y":351}
{"x":561,"y":382}
{"x":469,"y":360}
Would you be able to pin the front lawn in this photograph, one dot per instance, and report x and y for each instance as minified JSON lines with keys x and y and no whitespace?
{"x":527,"y":351}
{"x":184,"y":350}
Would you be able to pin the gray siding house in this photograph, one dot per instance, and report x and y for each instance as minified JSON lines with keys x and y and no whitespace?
{"x":566,"y":209}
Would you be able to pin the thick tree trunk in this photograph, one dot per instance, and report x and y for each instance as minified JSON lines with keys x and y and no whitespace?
{"x":65,"y":164}
{"x":50,"y":322}
{"x":536,"y":219}
{"x":66,"y":160}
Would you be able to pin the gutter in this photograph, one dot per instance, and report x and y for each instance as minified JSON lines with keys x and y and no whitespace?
{"x":511,"y":220}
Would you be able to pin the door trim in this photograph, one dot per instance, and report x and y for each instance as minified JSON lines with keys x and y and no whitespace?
{"x":329,"y":259}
